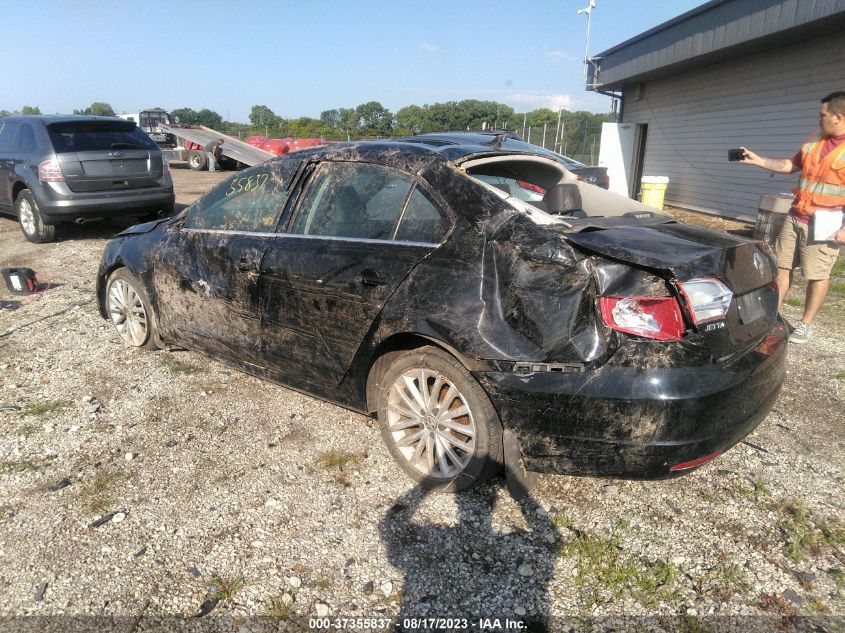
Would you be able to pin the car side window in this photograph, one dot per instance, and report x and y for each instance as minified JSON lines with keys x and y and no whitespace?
{"x":251,"y":200}
{"x":359,"y":200}
{"x":26,"y":139}
{"x":8,"y":134}
{"x":422,"y":220}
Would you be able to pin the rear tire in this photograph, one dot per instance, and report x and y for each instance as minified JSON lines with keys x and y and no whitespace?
{"x":197,"y":160}
{"x":130,"y":310}
{"x":32,"y":222}
{"x":437,"y":422}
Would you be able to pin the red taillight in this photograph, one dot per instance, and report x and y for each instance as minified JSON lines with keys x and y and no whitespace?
{"x":531,"y":187}
{"x":605,"y":182}
{"x":165,"y":165}
{"x":696,"y":462}
{"x":659,"y":318}
{"x":50,"y":171}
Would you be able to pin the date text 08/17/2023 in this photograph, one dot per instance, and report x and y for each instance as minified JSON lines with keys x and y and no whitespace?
{"x":419,"y":624}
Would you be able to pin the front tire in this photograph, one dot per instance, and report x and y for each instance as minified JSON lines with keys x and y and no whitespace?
{"x":437,"y":422}
{"x":130,"y":310}
{"x":32,"y":222}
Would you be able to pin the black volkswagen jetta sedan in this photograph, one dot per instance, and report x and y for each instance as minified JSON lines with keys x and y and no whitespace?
{"x":580,"y":334}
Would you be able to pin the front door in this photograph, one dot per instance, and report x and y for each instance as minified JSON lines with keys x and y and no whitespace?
{"x":207,"y":276}
{"x":356,"y":234}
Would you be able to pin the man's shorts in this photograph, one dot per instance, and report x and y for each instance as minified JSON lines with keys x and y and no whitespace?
{"x":792,"y":250}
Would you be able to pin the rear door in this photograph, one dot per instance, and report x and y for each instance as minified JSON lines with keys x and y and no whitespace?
{"x":105,"y":155}
{"x":8,"y":142}
{"x":356,"y":233}
{"x":207,"y":277}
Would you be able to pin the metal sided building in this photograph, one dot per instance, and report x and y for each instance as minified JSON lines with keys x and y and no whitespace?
{"x":728,"y":73}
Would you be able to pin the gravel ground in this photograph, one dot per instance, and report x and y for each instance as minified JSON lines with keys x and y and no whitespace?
{"x":139,"y":489}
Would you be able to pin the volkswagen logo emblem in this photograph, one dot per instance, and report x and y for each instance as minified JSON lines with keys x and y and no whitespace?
{"x":115,"y":154}
{"x":759,"y":264}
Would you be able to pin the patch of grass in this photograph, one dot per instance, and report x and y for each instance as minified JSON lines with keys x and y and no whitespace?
{"x":325,"y":582}
{"x":177,"y":366}
{"x":770,"y":602}
{"x":803,"y":532}
{"x":840,"y":375}
{"x":838,"y":269}
{"x":339,"y":461}
{"x":96,"y":494}
{"x":278,"y":608}
{"x":24,"y":466}
{"x":43,"y":408}
{"x":27,"y":430}
{"x":729,"y":580}
{"x":707,"y":496}
{"x":815,"y":605}
{"x":837,"y":288}
{"x":604,"y":568}
{"x":795,"y":302}
{"x":225,"y":589}
{"x":760,"y":491}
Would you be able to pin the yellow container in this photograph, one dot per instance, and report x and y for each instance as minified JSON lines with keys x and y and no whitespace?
{"x":653,"y":189}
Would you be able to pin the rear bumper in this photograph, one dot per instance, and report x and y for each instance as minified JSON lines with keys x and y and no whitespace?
{"x":632,"y":422}
{"x":59,"y":204}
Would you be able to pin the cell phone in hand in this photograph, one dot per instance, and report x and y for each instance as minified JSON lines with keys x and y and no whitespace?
{"x":736,"y":154}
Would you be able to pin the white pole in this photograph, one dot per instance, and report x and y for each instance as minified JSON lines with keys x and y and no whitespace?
{"x":524,"y":121}
{"x":557,"y":131}
{"x":589,"y":11}
{"x":529,"y":133}
{"x":544,"y":135}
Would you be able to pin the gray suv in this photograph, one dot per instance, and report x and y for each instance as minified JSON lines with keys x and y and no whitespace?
{"x":56,"y":169}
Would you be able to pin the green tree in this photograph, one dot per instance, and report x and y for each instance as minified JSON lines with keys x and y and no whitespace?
{"x":262,"y":117}
{"x":374,"y":119}
{"x":30,"y":110}
{"x":209,"y":118}
{"x":98,"y":108}
{"x":412,"y":119}
{"x":4,"y":113}
{"x":186,"y":116}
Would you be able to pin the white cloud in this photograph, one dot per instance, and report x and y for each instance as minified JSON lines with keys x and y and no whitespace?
{"x":532,"y":101}
{"x":560,"y":56}
{"x":425,"y":47}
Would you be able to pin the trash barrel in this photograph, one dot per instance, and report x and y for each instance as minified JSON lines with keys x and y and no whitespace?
{"x":771,"y":214}
{"x":653,"y":189}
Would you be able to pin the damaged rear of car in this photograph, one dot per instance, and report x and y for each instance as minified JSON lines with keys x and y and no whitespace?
{"x":580,"y":333}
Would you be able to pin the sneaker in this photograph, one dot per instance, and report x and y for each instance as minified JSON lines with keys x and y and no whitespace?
{"x":801,"y":332}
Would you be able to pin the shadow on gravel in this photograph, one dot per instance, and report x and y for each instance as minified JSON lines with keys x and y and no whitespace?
{"x":470,"y":570}
{"x":103,"y":229}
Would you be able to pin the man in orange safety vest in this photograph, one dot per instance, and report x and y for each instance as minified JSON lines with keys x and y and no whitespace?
{"x":821,"y":161}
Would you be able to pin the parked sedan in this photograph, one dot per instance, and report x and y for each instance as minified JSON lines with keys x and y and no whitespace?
{"x":396,"y":280}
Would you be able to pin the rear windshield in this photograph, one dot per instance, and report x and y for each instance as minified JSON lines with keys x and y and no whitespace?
{"x":86,"y":136}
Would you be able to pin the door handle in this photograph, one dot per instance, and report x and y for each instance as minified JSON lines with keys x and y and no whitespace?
{"x":370,"y":277}
{"x":246,"y":265}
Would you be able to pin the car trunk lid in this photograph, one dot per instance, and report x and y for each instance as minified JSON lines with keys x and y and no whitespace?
{"x":682,"y":252}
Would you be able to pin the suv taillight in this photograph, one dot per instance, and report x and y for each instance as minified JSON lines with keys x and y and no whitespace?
{"x":709,"y":299}
{"x":50,"y":171}
{"x":165,"y":165}
{"x":659,"y":318}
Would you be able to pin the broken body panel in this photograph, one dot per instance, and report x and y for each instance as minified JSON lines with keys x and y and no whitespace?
{"x":516,"y":302}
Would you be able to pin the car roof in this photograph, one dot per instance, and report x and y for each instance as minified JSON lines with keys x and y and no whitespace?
{"x":412,"y":153}
{"x":485,"y":141}
{"x":60,"y":118}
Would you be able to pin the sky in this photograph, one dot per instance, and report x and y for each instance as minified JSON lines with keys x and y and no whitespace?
{"x":300,"y":58}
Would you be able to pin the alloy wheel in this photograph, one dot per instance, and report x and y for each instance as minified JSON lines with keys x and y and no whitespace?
{"x":26,"y":216}
{"x":128,"y":313}
{"x":431,"y":423}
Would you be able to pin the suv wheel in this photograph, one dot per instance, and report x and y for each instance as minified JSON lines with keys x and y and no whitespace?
{"x":32,"y":222}
{"x":197,"y":160}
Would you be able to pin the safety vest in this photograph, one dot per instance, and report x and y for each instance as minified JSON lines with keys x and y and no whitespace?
{"x":822,"y":182}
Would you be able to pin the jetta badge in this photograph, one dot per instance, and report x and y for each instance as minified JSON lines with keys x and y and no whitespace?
{"x":115,"y":154}
{"x":758,"y":263}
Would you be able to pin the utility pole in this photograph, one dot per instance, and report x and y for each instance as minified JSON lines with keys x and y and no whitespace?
{"x":589,"y":11}
{"x":556,"y":147}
